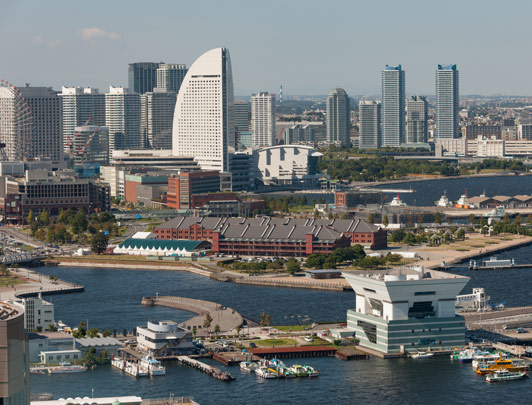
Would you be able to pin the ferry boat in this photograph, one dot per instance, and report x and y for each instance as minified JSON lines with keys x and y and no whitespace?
{"x":265,"y":372}
{"x":248,"y":366}
{"x":443,"y":202}
{"x":152,"y":365}
{"x":129,"y":367}
{"x":422,"y":355}
{"x":488,"y":358}
{"x":397,"y":202}
{"x":505,"y":375}
{"x":507,"y":364}
{"x":65,"y":368}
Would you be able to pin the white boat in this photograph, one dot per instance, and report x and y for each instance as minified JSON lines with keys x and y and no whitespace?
{"x":129,"y":367}
{"x":505,"y":375}
{"x":397,"y":202}
{"x":422,"y":355}
{"x":248,"y":366}
{"x":66,"y":368}
{"x":462,"y":202}
{"x":264,"y":372}
{"x":152,"y":366}
{"x":443,"y":202}
{"x":497,"y":212}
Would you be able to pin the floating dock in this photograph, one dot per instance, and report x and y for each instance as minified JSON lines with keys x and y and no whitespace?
{"x":351,"y":354}
{"x":210,"y":370}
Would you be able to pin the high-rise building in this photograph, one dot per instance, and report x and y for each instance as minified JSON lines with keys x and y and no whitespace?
{"x":447,"y":102}
{"x":122,"y":117}
{"x":14,"y":352}
{"x":263,"y":119}
{"x":90,"y":145}
{"x":338,"y":122}
{"x":142,"y":76}
{"x":170,"y":76}
{"x":157,"y":116}
{"x":81,"y":106}
{"x":242,"y":116}
{"x":30,"y":123}
{"x":393,"y":106}
{"x":203,"y":119}
{"x":416,"y":120}
{"x":369,"y":124}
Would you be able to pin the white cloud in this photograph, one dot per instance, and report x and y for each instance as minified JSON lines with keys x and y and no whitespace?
{"x":54,"y":44}
{"x":90,"y":34}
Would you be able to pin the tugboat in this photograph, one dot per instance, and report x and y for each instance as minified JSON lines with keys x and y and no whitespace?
{"x":443,"y":202}
{"x":397,"y":202}
{"x":462,"y":202}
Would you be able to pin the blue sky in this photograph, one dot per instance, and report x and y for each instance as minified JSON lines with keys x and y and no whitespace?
{"x":308,"y":46}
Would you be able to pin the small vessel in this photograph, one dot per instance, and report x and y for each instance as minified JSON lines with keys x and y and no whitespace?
{"x":66,"y":367}
{"x":299,"y":370}
{"x":443,"y":202}
{"x":38,"y":370}
{"x":129,"y":367}
{"x":507,"y":364}
{"x":311,"y":371}
{"x":422,"y":355}
{"x":152,"y":365}
{"x":397,"y":202}
{"x":265,"y":372}
{"x":248,"y":366}
{"x":462,"y":202}
{"x":505,"y":375}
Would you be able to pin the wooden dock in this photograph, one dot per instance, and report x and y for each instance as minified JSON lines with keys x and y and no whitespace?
{"x":233,"y":358}
{"x":351,"y":354}
{"x":210,"y":370}
{"x":291,"y":352}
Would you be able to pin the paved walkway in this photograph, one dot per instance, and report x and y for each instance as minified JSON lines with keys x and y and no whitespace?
{"x":226,"y":318}
{"x":35,"y":282}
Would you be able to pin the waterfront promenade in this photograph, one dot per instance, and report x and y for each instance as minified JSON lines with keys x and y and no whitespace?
{"x":226,"y":318}
{"x":34,"y":283}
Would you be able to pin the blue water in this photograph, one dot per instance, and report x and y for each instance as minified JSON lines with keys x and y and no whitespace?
{"x":426,"y":192}
{"x":112,"y":300}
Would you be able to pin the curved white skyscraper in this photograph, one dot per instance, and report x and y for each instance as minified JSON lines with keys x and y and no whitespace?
{"x":203,"y":118}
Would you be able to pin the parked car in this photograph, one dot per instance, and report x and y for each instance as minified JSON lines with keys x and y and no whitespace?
{"x":252,"y":345}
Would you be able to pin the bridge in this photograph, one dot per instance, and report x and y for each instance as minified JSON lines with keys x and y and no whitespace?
{"x":21,"y":258}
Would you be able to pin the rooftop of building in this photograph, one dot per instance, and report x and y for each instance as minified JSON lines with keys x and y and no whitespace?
{"x":98,"y":342}
{"x":404,"y":274}
{"x":8,"y":311}
{"x":49,"y":335}
{"x":188,"y":245}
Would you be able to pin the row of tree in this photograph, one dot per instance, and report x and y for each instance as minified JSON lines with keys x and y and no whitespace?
{"x":337,"y":257}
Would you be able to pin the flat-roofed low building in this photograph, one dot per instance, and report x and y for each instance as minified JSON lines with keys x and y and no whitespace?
{"x":48,"y":342}
{"x":406,"y":310}
{"x":164,"y":337}
{"x":59,"y":356}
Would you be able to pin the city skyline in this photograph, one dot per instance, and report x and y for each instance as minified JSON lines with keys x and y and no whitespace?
{"x":63,"y":51}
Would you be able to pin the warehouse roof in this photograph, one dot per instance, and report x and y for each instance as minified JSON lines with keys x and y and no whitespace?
{"x":188,"y":245}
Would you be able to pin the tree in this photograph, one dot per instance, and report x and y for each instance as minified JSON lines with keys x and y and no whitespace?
{"x":460,"y":234}
{"x":31,"y":217}
{"x":398,"y":235}
{"x":471,"y":219}
{"x":194,"y":330}
{"x":50,"y":235}
{"x":44,"y":217}
{"x":409,"y":239}
{"x":484,"y":230}
{"x":216,"y":329}
{"x":268,"y":320}
{"x":79,"y":222}
{"x":93,"y":332}
{"x":506,"y":219}
{"x":263,"y":319}
{"x":385,"y":220}
{"x":437,"y":218}
{"x":292,"y":266}
{"x":4,"y":270}
{"x":518,"y":219}
{"x":52,"y":328}
{"x":371,"y":218}
{"x":315,"y":260}
{"x":106,"y":333}
{"x":207,"y":321}
{"x":99,"y":242}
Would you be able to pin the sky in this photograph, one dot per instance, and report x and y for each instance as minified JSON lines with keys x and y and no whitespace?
{"x":310,"y":46}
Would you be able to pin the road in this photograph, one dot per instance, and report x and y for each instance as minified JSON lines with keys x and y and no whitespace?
{"x":132,"y":229}
{"x":21,"y":237}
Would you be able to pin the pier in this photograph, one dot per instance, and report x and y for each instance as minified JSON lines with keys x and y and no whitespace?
{"x":226,"y":318}
{"x":292,"y":352}
{"x":210,"y":370}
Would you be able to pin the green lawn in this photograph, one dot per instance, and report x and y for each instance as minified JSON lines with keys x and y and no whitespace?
{"x":276,"y":342}
{"x":292,"y":328}
{"x":6,"y":281}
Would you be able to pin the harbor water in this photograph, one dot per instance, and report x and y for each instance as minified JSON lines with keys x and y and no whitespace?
{"x":112,"y":300}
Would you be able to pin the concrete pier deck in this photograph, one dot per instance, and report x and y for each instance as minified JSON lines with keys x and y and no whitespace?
{"x":226,"y":318}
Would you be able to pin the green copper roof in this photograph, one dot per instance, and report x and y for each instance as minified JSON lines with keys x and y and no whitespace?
{"x":188,"y":245}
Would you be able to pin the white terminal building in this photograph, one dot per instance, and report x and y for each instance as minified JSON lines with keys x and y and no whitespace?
{"x":165,"y":336}
{"x":406,"y":310}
